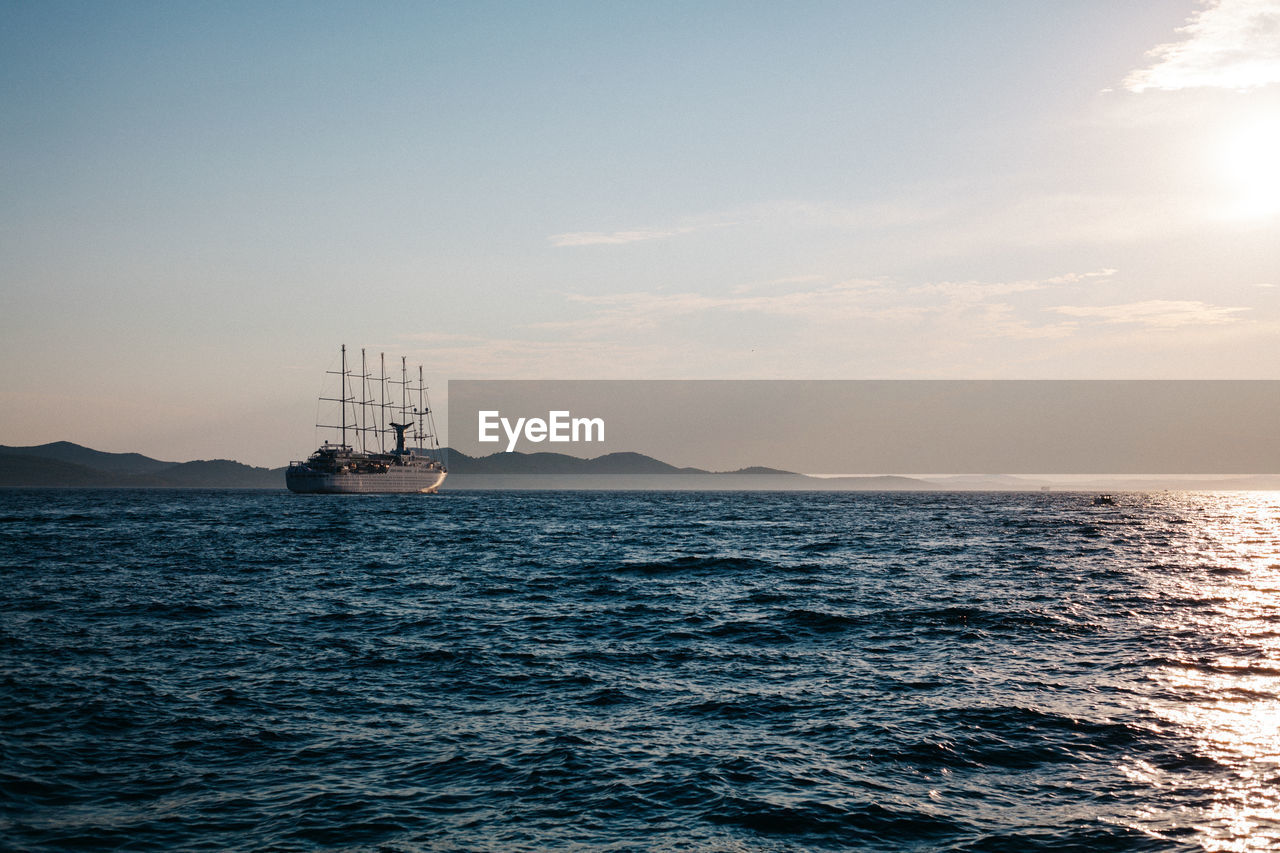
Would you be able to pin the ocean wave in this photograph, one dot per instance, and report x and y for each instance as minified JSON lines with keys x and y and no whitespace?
{"x":631,"y":672}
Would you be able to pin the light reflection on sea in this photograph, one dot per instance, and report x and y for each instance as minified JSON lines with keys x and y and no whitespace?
{"x":1227,"y":699}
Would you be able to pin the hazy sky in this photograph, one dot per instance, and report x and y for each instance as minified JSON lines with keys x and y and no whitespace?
{"x":202,"y":201}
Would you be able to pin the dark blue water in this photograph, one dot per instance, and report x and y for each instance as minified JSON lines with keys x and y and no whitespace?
{"x":639,"y":671}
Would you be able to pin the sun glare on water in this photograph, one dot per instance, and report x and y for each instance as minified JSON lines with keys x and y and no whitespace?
{"x":1229,"y":704}
{"x":1250,"y":166}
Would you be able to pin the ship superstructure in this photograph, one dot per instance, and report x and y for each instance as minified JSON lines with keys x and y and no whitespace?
{"x":380,"y":446}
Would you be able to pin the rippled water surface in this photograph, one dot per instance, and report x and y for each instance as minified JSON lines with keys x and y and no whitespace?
{"x":639,"y":671}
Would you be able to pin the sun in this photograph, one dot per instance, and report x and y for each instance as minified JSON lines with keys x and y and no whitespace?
{"x":1250,"y":166}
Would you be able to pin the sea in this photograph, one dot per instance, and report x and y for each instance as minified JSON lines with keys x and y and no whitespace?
{"x":637,"y":671}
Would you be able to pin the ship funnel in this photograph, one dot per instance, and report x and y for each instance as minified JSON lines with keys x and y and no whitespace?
{"x":400,"y":428}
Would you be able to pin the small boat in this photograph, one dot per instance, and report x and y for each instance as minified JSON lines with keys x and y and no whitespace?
{"x":1104,"y":500}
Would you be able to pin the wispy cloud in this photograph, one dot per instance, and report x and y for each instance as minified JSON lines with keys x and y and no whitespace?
{"x":516,"y":356}
{"x":1156,"y":313}
{"x":772,"y":213}
{"x":824,"y":305}
{"x":977,"y":291}
{"x":805,"y":327}
{"x":827,"y":329}
{"x":1229,"y":44}
{"x":618,"y":238}
{"x":845,"y":299}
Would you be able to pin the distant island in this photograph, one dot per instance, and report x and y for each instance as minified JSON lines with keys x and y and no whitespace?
{"x":635,"y":471}
{"x":62,"y":464}
{"x":67,"y":465}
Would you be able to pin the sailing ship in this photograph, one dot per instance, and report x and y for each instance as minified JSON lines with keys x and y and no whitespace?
{"x":380,"y":447}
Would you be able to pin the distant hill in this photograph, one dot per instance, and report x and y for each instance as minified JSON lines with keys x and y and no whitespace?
{"x":554,"y":464}
{"x":97,"y":460}
{"x":63,"y":464}
{"x":23,"y":470}
{"x":67,"y":465}
{"x":628,"y":471}
{"x":221,"y":474}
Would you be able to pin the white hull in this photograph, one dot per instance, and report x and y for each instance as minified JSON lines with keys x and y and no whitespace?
{"x":406,"y":480}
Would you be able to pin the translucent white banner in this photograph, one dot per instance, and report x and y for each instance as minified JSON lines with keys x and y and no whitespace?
{"x":879,"y":427}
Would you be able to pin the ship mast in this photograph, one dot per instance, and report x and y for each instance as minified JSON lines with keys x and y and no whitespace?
{"x":345,"y":395}
{"x":404,"y":390}
{"x":425,"y":421}
{"x":421,"y":412}
{"x":346,"y":382}
{"x":364,"y":401}
{"x":382,"y":410}
{"x":368,"y":406}
{"x":374,"y":413}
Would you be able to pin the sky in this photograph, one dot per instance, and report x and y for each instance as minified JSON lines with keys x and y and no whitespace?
{"x":201,"y":202}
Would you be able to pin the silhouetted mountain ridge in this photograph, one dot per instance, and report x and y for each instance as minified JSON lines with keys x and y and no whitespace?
{"x":625,"y":471}
{"x":69,"y":465}
{"x":98,"y":460}
{"x":518,"y":463}
{"x":65,"y":464}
